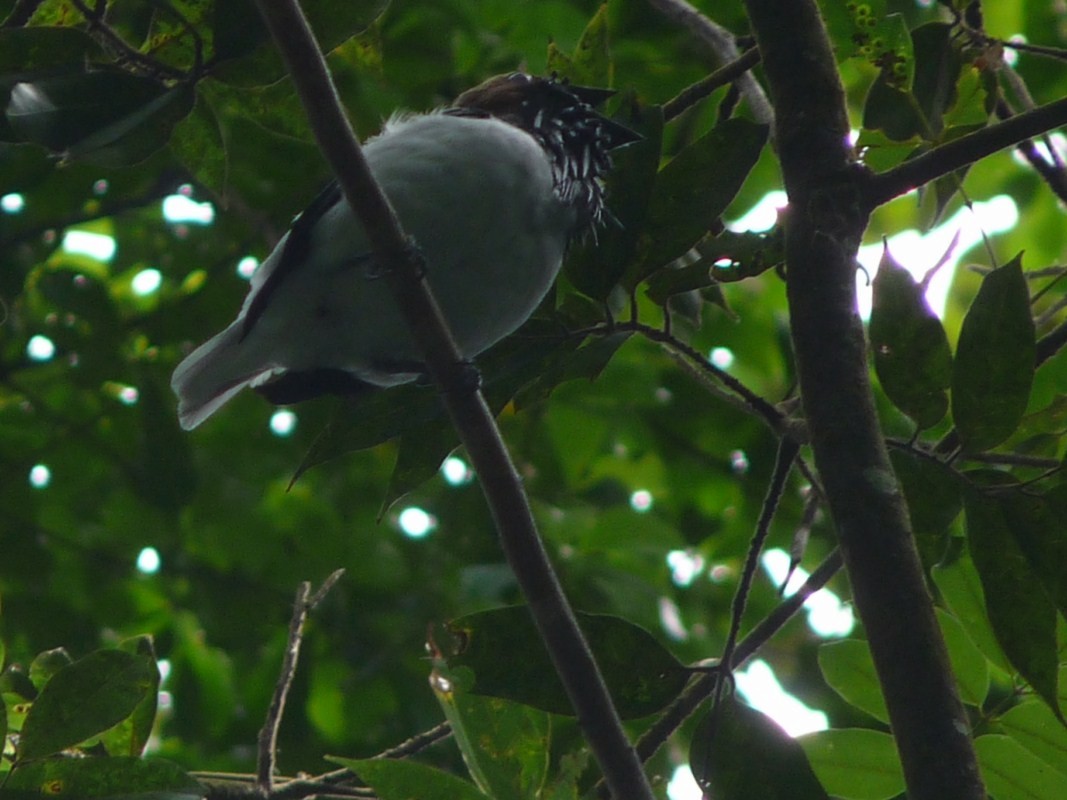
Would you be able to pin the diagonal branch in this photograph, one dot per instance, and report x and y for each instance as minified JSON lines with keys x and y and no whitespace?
{"x":958,"y":153}
{"x":471,"y":416}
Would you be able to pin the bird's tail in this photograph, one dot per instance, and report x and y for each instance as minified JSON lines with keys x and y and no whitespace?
{"x":211,"y":375}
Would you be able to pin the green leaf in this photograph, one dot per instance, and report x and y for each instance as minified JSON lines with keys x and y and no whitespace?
{"x":1036,"y":728}
{"x":891,"y":110}
{"x":994,"y":364}
{"x":1011,"y":772}
{"x":1022,"y":616}
{"x":108,"y":117}
{"x":503,"y":649}
{"x":116,"y":778}
{"x":591,"y":61}
{"x":505,"y":745}
{"x":409,"y":780}
{"x":848,"y":669}
{"x":694,"y":189}
{"x":1039,"y":530}
{"x":855,"y":763}
{"x":84,"y":699}
{"x":934,"y":501}
{"x":937,"y":68}
{"x":911,"y":352}
{"x":737,"y":753}
{"x":130,"y":736}
{"x":47,"y":664}
{"x":961,"y":589}
{"x":26,"y":52}
{"x":968,"y":664}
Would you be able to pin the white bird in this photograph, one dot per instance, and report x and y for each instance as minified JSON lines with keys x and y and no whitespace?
{"x":491,"y":189}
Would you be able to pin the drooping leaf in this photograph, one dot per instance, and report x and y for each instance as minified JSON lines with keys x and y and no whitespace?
{"x":737,"y":753}
{"x":937,"y":68}
{"x":694,"y":189}
{"x":933,"y":494}
{"x":109,"y":117}
{"x":84,"y":699}
{"x":994,"y":366}
{"x":396,"y":779}
{"x":503,"y":649}
{"x":504,"y":744}
{"x":1021,"y":613}
{"x":90,"y":778}
{"x":911,"y":352}
{"x":855,"y":763}
{"x":848,"y":669}
{"x":959,"y":585}
{"x":969,"y":665}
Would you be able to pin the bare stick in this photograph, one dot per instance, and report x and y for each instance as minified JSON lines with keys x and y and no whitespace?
{"x":466,"y":406}
{"x":268,"y":735}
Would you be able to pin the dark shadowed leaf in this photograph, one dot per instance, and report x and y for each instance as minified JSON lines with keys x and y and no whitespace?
{"x":88,"y":778}
{"x":1021,"y":613}
{"x":937,"y":66}
{"x":694,"y":189}
{"x":737,"y":753}
{"x":994,"y":364}
{"x":84,"y":699}
{"x":406,"y":780}
{"x":911,"y":352}
{"x":855,"y":763}
{"x":28,"y":52}
{"x":505,"y":652}
{"x":933,"y":494}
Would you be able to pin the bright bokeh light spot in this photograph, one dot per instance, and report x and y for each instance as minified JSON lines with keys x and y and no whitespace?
{"x":95,"y":245}
{"x":722,"y":357}
{"x":416,"y":523}
{"x":760,"y":687}
{"x":456,"y":472}
{"x":100,"y":187}
{"x":761,"y":217}
{"x":179,"y":208}
{"x":128,"y":395}
{"x":685,"y":565}
{"x":641,"y":500}
{"x":283,"y":422}
{"x":12,"y":203}
{"x":40,"y":476}
{"x":1011,"y":55}
{"x":827,"y":615}
{"x":246,"y":267}
{"x":148,"y":561}
{"x":682,"y":785}
{"x":40,"y":348}
{"x":918,"y":252}
{"x":739,"y":462}
{"x":670,"y":618}
{"x":147,"y":281}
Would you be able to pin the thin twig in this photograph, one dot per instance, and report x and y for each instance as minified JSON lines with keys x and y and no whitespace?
{"x":409,"y":747}
{"x":268,"y":735}
{"x":21,"y":13}
{"x":783,"y":465}
{"x":110,"y":40}
{"x":509,"y":506}
{"x":721,"y":43}
{"x":701,"y":687}
{"x":728,"y":73}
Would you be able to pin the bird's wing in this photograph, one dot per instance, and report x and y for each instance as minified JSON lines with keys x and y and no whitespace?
{"x":294,"y":253}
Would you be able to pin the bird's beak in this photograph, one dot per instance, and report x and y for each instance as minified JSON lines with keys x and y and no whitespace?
{"x":618,"y":134}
